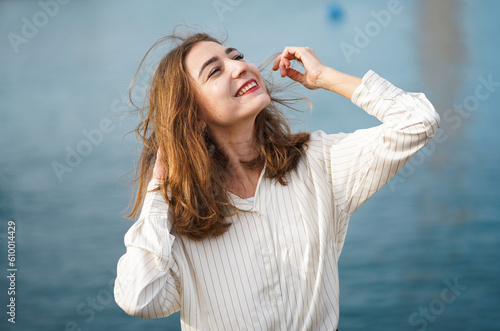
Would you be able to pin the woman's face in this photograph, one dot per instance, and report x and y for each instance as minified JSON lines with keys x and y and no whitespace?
{"x":230,"y":91}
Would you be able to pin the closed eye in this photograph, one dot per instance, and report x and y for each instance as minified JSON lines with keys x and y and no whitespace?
{"x":213,"y":72}
{"x":237,"y":57}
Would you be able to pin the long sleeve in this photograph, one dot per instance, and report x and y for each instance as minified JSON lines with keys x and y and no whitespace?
{"x":147,"y":282}
{"x":360,"y":163}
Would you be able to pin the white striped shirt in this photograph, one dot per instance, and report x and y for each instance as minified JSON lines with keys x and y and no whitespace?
{"x":276,"y":267}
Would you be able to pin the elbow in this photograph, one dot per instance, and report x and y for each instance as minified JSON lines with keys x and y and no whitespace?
{"x":437,"y":119}
{"x":436,"y":123}
{"x":125,"y":303}
{"x":121,"y":302}
{"x":133,"y":304}
{"x":129,"y":308}
{"x":431,"y":119}
{"x":432,"y":124}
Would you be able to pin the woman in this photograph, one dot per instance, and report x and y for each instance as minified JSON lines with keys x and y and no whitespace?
{"x":243,"y":222}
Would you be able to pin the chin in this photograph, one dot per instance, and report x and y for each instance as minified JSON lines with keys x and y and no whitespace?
{"x":259,"y":103}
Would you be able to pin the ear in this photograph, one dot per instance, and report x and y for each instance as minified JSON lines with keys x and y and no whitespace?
{"x":202,"y":125}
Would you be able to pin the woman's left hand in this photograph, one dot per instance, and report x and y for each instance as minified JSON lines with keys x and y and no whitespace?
{"x":312,"y":64}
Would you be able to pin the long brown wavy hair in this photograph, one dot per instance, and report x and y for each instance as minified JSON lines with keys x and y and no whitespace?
{"x":196,"y":169}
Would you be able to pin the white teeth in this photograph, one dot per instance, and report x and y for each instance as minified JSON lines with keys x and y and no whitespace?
{"x":246,"y":88}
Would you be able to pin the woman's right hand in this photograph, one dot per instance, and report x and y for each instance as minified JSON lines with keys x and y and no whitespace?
{"x":310,"y":61}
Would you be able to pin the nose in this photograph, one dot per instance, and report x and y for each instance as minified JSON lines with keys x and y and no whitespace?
{"x":239,"y":68}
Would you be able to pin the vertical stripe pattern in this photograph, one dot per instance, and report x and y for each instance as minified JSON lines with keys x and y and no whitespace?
{"x":276,"y":267}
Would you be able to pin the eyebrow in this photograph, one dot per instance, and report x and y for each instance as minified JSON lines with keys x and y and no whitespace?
{"x":214,"y":59}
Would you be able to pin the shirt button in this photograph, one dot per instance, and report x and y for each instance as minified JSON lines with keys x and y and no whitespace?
{"x":266,"y":252}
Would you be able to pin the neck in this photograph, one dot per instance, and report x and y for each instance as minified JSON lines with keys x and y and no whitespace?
{"x":239,"y":145}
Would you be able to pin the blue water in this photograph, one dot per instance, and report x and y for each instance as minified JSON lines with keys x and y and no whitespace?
{"x":435,"y":224}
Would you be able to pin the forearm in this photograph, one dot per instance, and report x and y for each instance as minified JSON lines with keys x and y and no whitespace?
{"x":338,"y":82}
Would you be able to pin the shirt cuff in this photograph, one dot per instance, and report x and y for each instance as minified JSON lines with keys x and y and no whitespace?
{"x":374,"y":85}
{"x":154,"y":203}
{"x":153,"y":184}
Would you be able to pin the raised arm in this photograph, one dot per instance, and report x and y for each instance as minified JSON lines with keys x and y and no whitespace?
{"x":360,"y":163}
{"x":147,"y":283}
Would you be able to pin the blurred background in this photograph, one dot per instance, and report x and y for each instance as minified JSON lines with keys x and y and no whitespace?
{"x":422,"y":254}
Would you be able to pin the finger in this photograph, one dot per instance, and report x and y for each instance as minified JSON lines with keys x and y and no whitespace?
{"x":276,"y":63}
{"x":291,"y":53}
{"x":288,"y":53}
{"x":305,"y":55}
{"x":282,"y":68}
{"x":295,"y":75}
{"x":287,"y":62}
{"x":278,"y":60}
{"x":283,"y":60}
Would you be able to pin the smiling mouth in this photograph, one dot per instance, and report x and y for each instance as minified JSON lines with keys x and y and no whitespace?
{"x":248,"y":87}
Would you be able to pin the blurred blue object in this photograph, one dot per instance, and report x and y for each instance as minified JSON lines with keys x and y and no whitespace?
{"x":335,"y":11}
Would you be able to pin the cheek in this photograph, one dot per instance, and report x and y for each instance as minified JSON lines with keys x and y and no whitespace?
{"x":205,"y":106}
{"x":215,"y":94}
{"x":256,"y":71}
{"x":211,"y":107}
{"x":210,"y":95}
{"x":216,"y":98}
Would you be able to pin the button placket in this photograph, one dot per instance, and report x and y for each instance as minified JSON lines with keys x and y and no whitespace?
{"x":276,"y":293}
{"x":278,"y":302}
{"x":270,"y":264}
